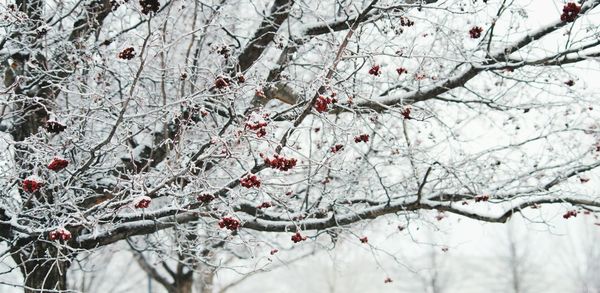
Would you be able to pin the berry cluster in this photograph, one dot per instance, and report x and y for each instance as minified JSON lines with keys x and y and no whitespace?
{"x":404,"y":21}
{"x":322,"y":103}
{"x":229,"y":223}
{"x":361,"y":138}
{"x":250,"y":181}
{"x":280,"y":163}
{"x":58,"y":164}
{"x":571,"y":213}
{"x":222,"y":82}
{"x":258,"y":126}
{"x":59,"y":234}
{"x":127,"y":53}
{"x":387,"y":280}
{"x":483,"y":197}
{"x":142,"y":202}
{"x":149,"y":6}
{"x":406,"y":113}
{"x":401,"y":70}
{"x":570,"y":12}
{"x":364,"y":240}
{"x":32,"y":184}
{"x":240,"y":78}
{"x":336,"y":148}
{"x":570,"y":82}
{"x":298,"y":237}
{"x":475,"y":32}
{"x":223,"y":51}
{"x":265,"y":205}
{"x":205,"y":197}
{"x":375,"y":70}
{"x":53,"y":126}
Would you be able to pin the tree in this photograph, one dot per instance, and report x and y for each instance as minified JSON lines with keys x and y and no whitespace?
{"x":127,"y":118}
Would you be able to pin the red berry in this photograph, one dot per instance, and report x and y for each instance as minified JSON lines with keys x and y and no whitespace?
{"x":265,"y":205}
{"x":571,"y":213}
{"x":250,"y":181}
{"x":274,"y":251}
{"x":483,"y":197}
{"x":401,"y":70}
{"x":375,"y":70}
{"x":58,"y":164}
{"x":336,"y":148}
{"x":361,"y":138}
{"x":570,"y":12}
{"x":322,"y":103}
{"x":387,"y":280}
{"x":59,"y":234}
{"x":280,"y":163}
{"x":364,"y":240}
{"x":475,"y":32}
{"x":406,"y":113}
{"x":205,"y":197}
{"x":54,"y":126}
{"x":221,"y":82}
{"x":32,"y":184}
{"x":298,"y":237}
{"x":229,"y":223}
{"x":142,"y":202}
{"x":127,"y":53}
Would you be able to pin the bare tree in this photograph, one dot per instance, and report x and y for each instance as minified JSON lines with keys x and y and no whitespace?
{"x":248,"y":118}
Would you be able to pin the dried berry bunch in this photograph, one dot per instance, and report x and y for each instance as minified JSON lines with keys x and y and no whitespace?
{"x":32,"y":184}
{"x":406,"y":113}
{"x":280,"y":163}
{"x":58,"y":164}
{"x":570,"y":12}
{"x":53,"y":126}
{"x":336,"y":148}
{"x":229,"y":223}
{"x":142,"y":202}
{"x":205,"y":197}
{"x":322,"y":103}
{"x":223,"y":50}
{"x":59,"y":234}
{"x":265,"y":205}
{"x":401,"y":70}
{"x":405,"y":21}
{"x":483,"y":197}
{"x":475,"y":32}
{"x":375,"y":70}
{"x":127,"y":53}
{"x":257,"y":125}
{"x":149,"y":6}
{"x":222,"y":82}
{"x":361,"y":138}
{"x":569,"y":214}
{"x":297,"y":237}
{"x":250,"y":181}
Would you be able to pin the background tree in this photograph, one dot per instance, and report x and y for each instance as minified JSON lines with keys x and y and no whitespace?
{"x":126,"y":118}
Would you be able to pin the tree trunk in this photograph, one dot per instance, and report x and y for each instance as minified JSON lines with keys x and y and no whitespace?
{"x":183,"y":284}
{"x":44,"y":269}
